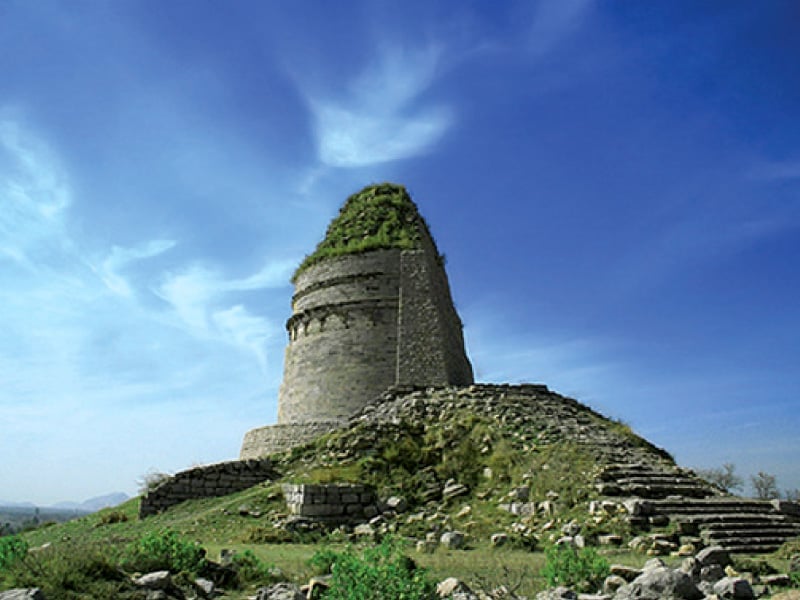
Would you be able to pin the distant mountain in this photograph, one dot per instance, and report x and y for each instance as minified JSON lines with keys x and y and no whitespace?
{"x":94,"y":504}
{"x":8,"y":504}
{"x":90,"y":505}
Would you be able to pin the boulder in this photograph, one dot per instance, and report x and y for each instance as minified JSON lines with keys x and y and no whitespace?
{"x":455,"y":589}
{"x":453,"y":490}
{"x":714,"y":555}
{"x":660,"y":583}
{"x":23,"y":594}
{"x":452,"y":539}
{"x":499,"y":539}
{"x":734,"y":588}
{"x":280,"y":591}
{"x":205,"y":587}
{"x":559,"y":593}
{"x":396,"y":503}
{"x":157,"y":580}
{"x":612,"y":583}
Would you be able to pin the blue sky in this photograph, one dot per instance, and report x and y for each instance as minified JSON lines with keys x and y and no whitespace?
{"x":615,"y":187}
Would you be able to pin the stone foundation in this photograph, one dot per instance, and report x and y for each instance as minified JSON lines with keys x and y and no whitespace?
{"x":271,"y":439}
{"x":332,"y":502}
{"x":209,"y":481}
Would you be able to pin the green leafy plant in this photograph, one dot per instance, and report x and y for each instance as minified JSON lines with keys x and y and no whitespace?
{"x":380,"y":572}
{"x":251,"y":569}
{"x":12,"y":549}
{"x":580,"y":568}
{"x":165,"y":550}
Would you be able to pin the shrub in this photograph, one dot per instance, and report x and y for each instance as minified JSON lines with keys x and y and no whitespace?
{"x":112,"y":517}
{"x":580,"y":568}
{"x":165,"y":550}
{"x":379,"y":573}
{"x":68,"y":571}
{"x":12,"y":550}
{"x":251,"y":569}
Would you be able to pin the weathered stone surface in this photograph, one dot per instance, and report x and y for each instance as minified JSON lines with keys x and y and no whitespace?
{"x":23,"y":594}
{"x":499,"y":539}
{"x":734,"y":588}
{"x":205,"y":587}
{"x":452,"y":539}
{"x":660,"y":583}
{"x":280,"y":591}
{"x":205,"y":482}
{"x":714,"y":555}
{"x":447,"y":588}
{"x":157,"y":580}
{"x":559,"y":593}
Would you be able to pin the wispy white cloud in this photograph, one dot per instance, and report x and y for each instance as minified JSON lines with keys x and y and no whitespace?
{"x":110,"y":268}
{"x":34,"y":193}
{"x":378,"y":120}
{"x":201,"y":298}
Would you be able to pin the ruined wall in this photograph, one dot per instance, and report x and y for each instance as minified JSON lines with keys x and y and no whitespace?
{"x":331,"y":502}
{"x":264,"y":441}
{"x":209,"y":481}
{"x":342,"y":347}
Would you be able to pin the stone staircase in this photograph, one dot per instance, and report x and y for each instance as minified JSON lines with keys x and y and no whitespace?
{"x":679,"y":496}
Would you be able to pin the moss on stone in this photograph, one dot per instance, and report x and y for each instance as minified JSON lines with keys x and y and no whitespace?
{"x":378,"y":217}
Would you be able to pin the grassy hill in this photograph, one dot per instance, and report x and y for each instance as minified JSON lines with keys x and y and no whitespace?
{"x":501,"y":444}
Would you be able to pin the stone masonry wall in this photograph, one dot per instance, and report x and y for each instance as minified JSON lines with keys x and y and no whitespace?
{"x":264,"y":441}
{"x":430,"y":337}
{"x":331,"y":502}
{"x":342,"y":347}
{"x":207,"y":481}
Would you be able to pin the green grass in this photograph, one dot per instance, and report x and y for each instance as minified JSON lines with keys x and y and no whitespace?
{"x":379,"y":216}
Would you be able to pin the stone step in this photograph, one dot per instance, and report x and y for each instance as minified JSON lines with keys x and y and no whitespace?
{"x":765,"y":531}
{"x":789,"y":527}
{"x":700,"y":506}
{"x":766,"y":540}
{"x":751,"y":548}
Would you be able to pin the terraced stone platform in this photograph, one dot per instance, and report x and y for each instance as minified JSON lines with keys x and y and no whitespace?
{"x":679,"y":496}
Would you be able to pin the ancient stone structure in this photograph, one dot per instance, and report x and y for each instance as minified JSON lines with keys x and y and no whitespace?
{"x":208,"y":481}
{"x":371,"y":309}
{"x":331,"y":502}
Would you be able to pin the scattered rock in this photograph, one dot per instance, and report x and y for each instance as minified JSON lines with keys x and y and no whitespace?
{"x":777,"y":580}
{"x":23,"y":594}
{"x":205,"y":587}
{"x":426,"y":546}
{"x":452,"y":539}
{"x":712,"y":573}
{"x":734,"y":588}
{"x":612,"y":583}
{"x":157,"y":580}
{"x":397,"y":503}
{"x":624,"y":571}
{"x":364,"y":530}
{"x":451,"y":587}
{"x":714,"y":555}
{"x":454,"y":489}
{"x":660,"y":583}
{"x":559,"y":593}
{"x":609,"y":540}
{"x":280,"y":591}
{"x":499,"y":539}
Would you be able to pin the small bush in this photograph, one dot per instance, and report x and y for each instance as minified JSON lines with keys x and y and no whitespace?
{"x":12,"y":550}
{"x":579,"y":568}
{"x":68,"y":571}
{"x":379,"y":573}
{"x":251,"y":569}
{"x":165,"y":550}
{"x":112,"y":517}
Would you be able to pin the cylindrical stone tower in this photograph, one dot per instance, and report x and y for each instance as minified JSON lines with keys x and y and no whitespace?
{"x":371,"y":308}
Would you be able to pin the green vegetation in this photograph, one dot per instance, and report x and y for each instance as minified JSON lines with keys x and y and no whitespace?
{"x":582,"y":569}
{"x":380,"y":572}
{"x":165,"y":550}
{"x":379,"y":216}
